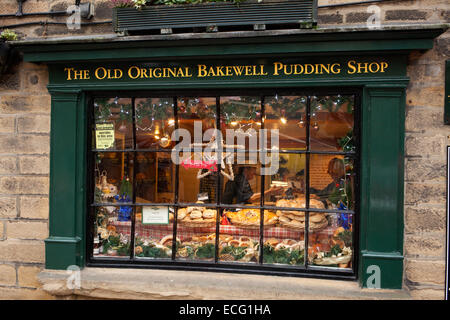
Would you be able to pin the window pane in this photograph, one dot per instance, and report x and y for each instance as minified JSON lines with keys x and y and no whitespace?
{"x":245,"y":188}
{"x":286,"y":186}
{"x":113,"y":127}
{"x":197,"y":185}
{"x":332,"y":181}
{"x":196,"y":231}
{"x":155,"y":177}
{"x":288,"y":115}
{"x":112,"y":231}
{"x":153,"y":240}
{"x":154,"y":123}
{"x":113,"y":177}
{"x":332,"y":246}
{"x":284,"y":246}
{"x":197,"y":112}
{"x":240,"y":121}
{"x":239,"y":235}
{"x":331,"y":121}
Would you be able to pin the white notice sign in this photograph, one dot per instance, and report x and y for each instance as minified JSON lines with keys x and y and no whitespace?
{"x":155,"y":215}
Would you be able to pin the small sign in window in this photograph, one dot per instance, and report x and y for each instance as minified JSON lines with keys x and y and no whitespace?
{"x":104,"y":135}
{"x":155,"y":215}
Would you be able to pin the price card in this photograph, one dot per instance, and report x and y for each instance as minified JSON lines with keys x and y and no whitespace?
{"x":104,"y":135}
{"x":155,"y":215}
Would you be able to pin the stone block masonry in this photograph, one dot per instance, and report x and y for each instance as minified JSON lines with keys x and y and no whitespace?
{"x":24,"y":179}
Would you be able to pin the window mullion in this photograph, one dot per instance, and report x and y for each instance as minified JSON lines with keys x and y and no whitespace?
{"x":307,"y":180}
{"x":133,"y":219}
{"x":261,"y":202}
{"x":177,"y":175}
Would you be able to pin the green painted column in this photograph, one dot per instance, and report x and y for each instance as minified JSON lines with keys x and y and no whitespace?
{"x":65,"y":244}
{"x":382,"y":171}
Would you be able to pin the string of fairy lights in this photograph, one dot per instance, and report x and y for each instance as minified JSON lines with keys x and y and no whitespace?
{"x":154,"y":116}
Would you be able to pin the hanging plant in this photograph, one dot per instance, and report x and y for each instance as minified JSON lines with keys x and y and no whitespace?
{"x":332,"y":103}
{"x":8,"y":35}
{"x":147,"y":109}
{"x":285,"y":107}
{"x":236,"y":110}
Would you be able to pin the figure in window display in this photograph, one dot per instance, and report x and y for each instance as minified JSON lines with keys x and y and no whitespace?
{"x":337,"y":192}
{"x":296,"y":185}
{"x":240,"y":188}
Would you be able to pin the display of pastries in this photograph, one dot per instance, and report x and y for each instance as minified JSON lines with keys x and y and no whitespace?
{"x":250,"y":218}
{"x":296,"y":219}
{"x":196,"y":216}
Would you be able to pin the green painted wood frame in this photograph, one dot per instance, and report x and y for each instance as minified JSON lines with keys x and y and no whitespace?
{"x":382,"y":149}
{"x":381,"y":209}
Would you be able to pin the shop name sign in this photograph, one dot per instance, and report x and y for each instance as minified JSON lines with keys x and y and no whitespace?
{"x":274,"y":69}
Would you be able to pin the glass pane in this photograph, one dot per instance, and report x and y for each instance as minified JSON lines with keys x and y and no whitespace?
{"x":113,"y":127}
{"x":332,"y":181}
{"x":288,"y":115}
{"x":196,"y":231}
{"x":286,"y":186}
{"x":285,"y":245}
{"x":245,"y":188}
{"x":239,"y":235}
{"x":332,"y":123}
{"x":153,"y":235}
{"x":112,"y":231}
{"x":113,"y":177}
{"x":333,"y":245}
{"x":240,"y":121}
{"x":197,"y":185}
{"x":154,"y":123}
{"x":155,"y":177}
{"x":197,"y":112}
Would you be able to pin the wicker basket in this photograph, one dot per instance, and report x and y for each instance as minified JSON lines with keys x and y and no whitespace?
{"x":251,"y":225}
{"x":205,"y":223}
{"x":301,"y":227}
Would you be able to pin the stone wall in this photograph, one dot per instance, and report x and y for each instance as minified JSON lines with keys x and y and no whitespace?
{"x":425,"y":142}
{"x":25,"y":126}
{"x":24,"y":179}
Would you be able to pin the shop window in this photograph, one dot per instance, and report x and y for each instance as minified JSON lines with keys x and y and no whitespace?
{"x":265,"y":182}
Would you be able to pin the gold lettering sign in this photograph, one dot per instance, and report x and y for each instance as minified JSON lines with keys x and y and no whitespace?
{"x":351,"y":67}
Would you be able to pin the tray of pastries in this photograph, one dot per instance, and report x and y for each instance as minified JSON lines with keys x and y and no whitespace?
{"x":250,"y":218}
{"x":197,"y":216}
{"x":296,"y":219}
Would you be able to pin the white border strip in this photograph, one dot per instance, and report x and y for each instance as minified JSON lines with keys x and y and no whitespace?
{"x":448,"y":229}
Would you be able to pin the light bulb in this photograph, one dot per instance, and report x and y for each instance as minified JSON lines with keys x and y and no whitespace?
{"x":301,"y":124}
{"x":165,"y":141}
{"x":171,"y":122}
{"x":283,"y":120}
{"x":233,"y":123}
{"x":316,"y":126}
